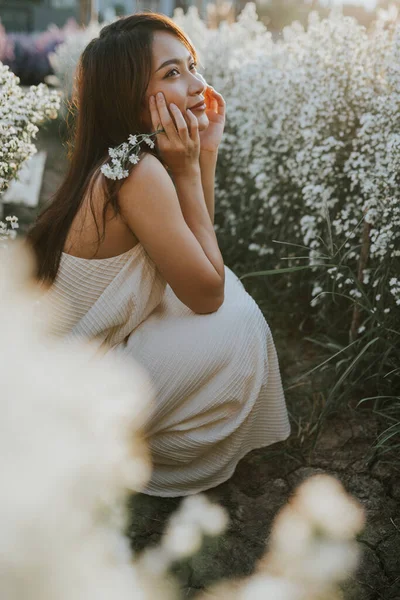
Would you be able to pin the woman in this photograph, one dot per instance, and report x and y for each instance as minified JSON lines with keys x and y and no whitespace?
{"x":135,"y":263}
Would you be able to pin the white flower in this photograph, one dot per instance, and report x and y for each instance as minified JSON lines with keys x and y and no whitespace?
{"x":134,"y":159}
{"x":149,"y":142}
{"x":108,"y":171}
{"x":196,"y":515}
{"x":123,"y":155}
{"x":323,"y":501}
{"x":7,"y":234}
{"x":265,"y":587}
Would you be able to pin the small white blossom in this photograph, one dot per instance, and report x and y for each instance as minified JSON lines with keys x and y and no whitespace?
{"x":149,"y":142}
{"x":7,"y":234}
{"x":125,"y":154}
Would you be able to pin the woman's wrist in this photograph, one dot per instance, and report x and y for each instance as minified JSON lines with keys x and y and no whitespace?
{"x":208,"y":165}
{"x":206,"y":155}
{"x":189,"y":172}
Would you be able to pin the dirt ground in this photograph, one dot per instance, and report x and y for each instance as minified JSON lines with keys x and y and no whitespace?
{"x":262,"y":484}
{"x":265,"y":478}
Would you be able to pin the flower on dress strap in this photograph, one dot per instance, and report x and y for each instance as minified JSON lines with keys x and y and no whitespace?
{"x":125,"y":153}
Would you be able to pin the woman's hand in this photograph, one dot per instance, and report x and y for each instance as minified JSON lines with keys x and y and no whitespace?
{"x":179,"y":143}
{"x":211,"y":137}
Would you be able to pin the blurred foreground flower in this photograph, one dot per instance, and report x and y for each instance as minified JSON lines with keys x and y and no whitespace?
{"x":70,"y":452}
{"x":312,"y":539}
{"x":311,"y":548}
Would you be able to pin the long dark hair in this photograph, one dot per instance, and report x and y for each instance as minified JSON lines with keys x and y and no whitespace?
{"x":111,"y":79}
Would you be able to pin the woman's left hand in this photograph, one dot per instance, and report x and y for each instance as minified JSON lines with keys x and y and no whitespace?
{"x":211,"y":137}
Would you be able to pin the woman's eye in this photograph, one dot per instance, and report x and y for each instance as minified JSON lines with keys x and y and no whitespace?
{"x":173,"y":70}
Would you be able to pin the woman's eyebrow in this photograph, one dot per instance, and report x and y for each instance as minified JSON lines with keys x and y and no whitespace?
{"x":178,"y":61}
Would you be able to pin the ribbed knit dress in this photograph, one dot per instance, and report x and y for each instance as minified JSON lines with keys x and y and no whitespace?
{"x":218,"y":390}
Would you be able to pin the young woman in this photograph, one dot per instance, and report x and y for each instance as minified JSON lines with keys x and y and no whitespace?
{"x":135,"y":262}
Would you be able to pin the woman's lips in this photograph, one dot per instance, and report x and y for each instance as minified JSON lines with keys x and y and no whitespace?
{"x":200,"y":107}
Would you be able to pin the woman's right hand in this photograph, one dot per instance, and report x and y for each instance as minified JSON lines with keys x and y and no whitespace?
{"x":179,"y":144}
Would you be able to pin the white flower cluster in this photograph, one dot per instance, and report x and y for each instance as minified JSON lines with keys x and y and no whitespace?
{"x":125,"y":153}
{"x":395,"y":289}
{"x":311,"y":149}
{"x":7,"y":231}
{"x":20,"y":114}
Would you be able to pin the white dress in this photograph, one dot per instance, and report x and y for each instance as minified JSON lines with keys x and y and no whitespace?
{"x":218,"y":390}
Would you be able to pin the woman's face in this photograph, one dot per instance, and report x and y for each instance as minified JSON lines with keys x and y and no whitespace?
{"x":178,"y":80}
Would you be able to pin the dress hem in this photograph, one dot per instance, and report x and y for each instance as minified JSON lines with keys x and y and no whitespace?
{"x":161,"y":494}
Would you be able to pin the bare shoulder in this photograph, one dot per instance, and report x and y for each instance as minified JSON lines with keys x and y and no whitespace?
{"x":148,"y":188}
{"x":150,"y":206}
{"x":148,"y":168}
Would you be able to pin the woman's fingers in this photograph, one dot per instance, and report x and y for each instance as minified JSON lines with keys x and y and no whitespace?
{"x":218,"y":102}
{"x":155,"y":117}
{"x":166,"y":119}
{"x":180,"y":122}
{"x":193,"y":126}
{"x":181,"y":128}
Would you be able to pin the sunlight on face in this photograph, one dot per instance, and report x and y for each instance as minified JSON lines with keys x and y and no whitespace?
{"x":179,"y":81}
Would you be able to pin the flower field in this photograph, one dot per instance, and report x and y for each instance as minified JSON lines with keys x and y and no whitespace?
{"x":307,"y":181}
{"x":307,"y":213}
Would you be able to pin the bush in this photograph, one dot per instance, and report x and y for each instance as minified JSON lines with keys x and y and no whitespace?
{"x":310,"y":159}
{"x":20,"y":115}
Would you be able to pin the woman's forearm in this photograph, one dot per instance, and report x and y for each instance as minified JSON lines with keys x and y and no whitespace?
{"x":191,"y":196}
{"x":208,"y":163}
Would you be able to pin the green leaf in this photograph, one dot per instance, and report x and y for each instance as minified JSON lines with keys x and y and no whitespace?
{"x":280,"y":271}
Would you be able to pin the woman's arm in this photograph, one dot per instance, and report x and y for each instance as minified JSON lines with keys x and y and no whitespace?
{"x":174,"y":227}
{"x":192,"y":198}
{"x":208,"y":163}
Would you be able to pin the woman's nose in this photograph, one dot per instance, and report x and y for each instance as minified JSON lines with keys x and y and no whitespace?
{"x":199,"y":84}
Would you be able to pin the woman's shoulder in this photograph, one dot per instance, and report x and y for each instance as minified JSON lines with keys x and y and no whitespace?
{"x":149,"y":165}
{"x":147,"y":158}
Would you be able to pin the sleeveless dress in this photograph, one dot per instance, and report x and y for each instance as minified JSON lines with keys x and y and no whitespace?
{"x":218,"y":390}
